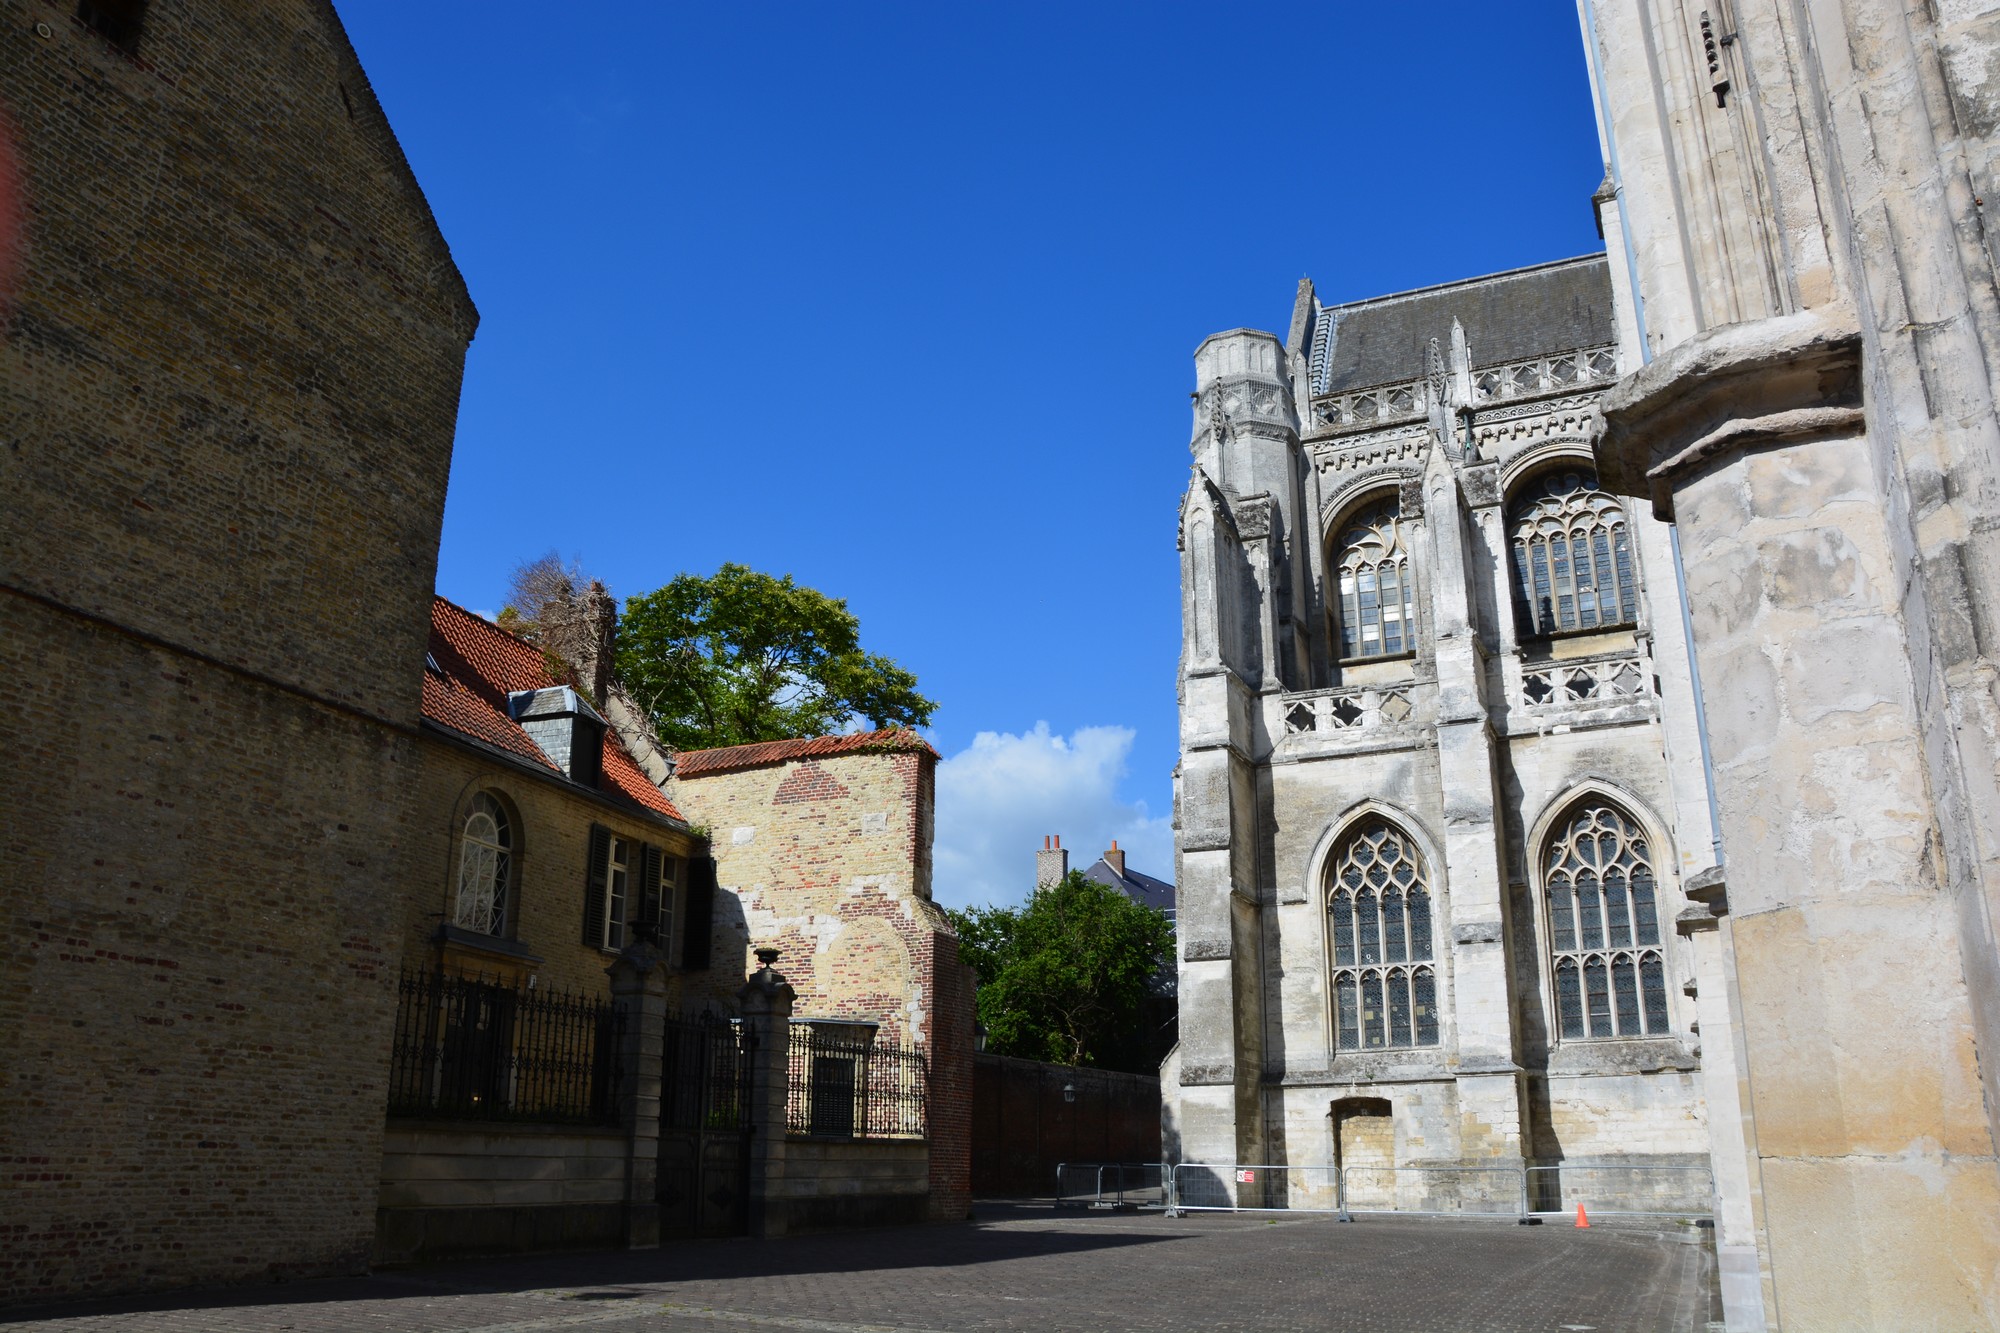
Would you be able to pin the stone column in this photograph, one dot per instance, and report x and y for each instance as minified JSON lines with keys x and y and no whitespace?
{"x":1743,"y":1274}
{"x":1489,"y":1093}
{"x":766,"y":1004}
{"x":639,"y":992}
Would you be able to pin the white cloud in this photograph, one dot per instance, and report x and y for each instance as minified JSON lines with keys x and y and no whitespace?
{"x":1000,"y":796}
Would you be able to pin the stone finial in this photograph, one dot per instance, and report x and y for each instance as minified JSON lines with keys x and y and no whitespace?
{"x":767,"y":990}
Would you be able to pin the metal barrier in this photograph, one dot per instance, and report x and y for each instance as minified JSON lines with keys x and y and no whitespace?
{"x":1524,"y":1194}
{"x":1434,"y":1191}
{"x":1240,"y":1187}
{"x":1120,"y":1185}
{"x":1620,"y":1190}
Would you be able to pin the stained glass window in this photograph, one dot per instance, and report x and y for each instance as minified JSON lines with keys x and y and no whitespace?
{"x":1374,"y":599}
{"x":1379,"y":921}
{"x":1604,"y":927}
{"x":1573,"y":566}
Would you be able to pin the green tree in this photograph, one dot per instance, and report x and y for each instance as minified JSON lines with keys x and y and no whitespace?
{"x":741,"y":656}
{"x":1065,"y":977}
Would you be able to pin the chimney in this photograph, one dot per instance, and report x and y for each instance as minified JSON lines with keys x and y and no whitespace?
{"x":1115,"y":859}
{"x":1051,"y":863}
{"x":583,"y":632}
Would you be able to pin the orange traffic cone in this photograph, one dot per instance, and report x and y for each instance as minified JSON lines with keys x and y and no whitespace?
{"x":1582,"y":1219}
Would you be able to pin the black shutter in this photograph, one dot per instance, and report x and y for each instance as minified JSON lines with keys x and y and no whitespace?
{"x":646,"y":921}
{"x":696,"y":947}
{"x":596,"y":882}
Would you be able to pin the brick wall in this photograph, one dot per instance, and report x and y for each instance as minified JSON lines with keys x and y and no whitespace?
{"x":233,"y":355}
{"x":550,"y":824}
{"x":829,"y":860}
{"x":821,"y":858}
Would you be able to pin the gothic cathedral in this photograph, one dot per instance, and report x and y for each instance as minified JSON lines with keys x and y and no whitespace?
{"x":1440,"y":805}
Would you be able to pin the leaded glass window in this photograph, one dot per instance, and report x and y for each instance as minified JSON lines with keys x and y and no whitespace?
{"x":485,"y":847}
{"x":1604,"y":927}
{"x":1379,"y":928}
{"x":1573,"y":565}
{"x":1374,"y":598}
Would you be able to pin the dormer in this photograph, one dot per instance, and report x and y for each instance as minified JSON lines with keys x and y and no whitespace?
{"x":564,"y":728}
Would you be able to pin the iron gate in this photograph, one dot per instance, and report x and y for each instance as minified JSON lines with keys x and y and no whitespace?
{"x":704,"y":1162}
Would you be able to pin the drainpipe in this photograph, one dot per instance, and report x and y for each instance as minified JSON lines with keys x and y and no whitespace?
{"x":1587,"y":13}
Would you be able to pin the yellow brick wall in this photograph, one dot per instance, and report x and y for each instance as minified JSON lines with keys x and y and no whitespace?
{"x":232,"y":359}
{"x":550,"y":825}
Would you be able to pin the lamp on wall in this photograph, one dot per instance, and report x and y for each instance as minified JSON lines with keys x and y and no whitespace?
{"x":1069,"y":1092}
{"x":978,"y":1036}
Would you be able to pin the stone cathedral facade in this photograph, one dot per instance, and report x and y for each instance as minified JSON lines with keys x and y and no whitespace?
{"x":1467,"y":875}
{"x":1439,"y":803}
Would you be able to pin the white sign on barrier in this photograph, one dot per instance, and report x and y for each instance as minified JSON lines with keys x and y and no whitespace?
{"x":1246,"y":1177}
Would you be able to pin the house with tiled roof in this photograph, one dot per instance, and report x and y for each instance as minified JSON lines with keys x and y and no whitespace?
{"x":551,"y":849}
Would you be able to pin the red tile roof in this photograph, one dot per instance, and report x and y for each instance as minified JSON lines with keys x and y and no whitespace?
{"x":697,"y":763}
{"x":478,"y":666}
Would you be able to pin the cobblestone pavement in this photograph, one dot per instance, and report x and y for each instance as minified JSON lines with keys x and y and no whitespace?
{"x":1015,"y":1267}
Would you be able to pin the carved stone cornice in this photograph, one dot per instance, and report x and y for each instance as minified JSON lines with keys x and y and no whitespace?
{"x":1771,"y":381}
{"x":1379,"y":449}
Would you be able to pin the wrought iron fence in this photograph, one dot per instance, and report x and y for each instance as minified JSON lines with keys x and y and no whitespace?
{"x":476,"y":1049}
{"x":847,"y":1084}
{"x":705,"y":1072}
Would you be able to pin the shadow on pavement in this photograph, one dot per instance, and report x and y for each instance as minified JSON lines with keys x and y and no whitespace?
{"x":623,"y":1274}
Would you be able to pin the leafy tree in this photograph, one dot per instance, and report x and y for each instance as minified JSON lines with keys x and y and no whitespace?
{"x":741,"y":656}
{"x":1065,"y":978}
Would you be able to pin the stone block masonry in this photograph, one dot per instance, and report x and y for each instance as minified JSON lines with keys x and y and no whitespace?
{"x":230,"y":381}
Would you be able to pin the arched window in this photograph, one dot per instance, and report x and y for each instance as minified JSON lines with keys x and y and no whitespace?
{"x":1572,"y":554}
{"x":1604,"y":926}
{"x":485,"y":845}
{"x":1379,"y":925}
{"x":1373,"y":597}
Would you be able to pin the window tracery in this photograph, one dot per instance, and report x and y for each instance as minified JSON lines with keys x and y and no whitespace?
{"x":1375,"y":601}
{"x":1604,"y":927}
{"x":485,"y":849}
{"x":1379,"y":930}
{"x":1573,"y":564}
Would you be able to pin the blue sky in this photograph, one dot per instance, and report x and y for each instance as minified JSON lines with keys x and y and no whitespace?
{"x":900,"y":300}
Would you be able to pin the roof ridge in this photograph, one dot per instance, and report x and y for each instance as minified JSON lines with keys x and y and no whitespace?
{"x":1388,"y":297}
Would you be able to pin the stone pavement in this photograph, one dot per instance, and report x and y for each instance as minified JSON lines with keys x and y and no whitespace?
{"x":1015,"y":1267}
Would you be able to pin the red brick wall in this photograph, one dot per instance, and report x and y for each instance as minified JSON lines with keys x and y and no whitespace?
{"x":950,"y":982}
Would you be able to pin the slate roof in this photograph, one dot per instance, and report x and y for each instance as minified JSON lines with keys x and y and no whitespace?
{"x":1512,"y":316}
{"x":1140,"y":888}
{"x":474,"y":665}
{"x":697,"y":763}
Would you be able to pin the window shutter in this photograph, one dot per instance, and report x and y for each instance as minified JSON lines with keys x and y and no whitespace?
{"x":596,"y":881}
{"x":646,"y":918}
{"x":700,"y":918}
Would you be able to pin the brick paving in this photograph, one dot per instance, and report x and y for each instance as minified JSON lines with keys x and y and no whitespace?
{"x":1015,"y":1267}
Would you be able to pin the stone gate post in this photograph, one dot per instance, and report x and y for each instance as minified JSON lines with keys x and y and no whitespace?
{"x":766,"y":1003}
{"x":639,"y":991}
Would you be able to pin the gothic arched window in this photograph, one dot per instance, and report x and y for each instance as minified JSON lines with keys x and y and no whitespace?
{"x":1378,"y":906}
{"x":1374,"y":600}
{"x":486,"y":843}
{"x":1604,"y":926}
{"x":1572,"y":554}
